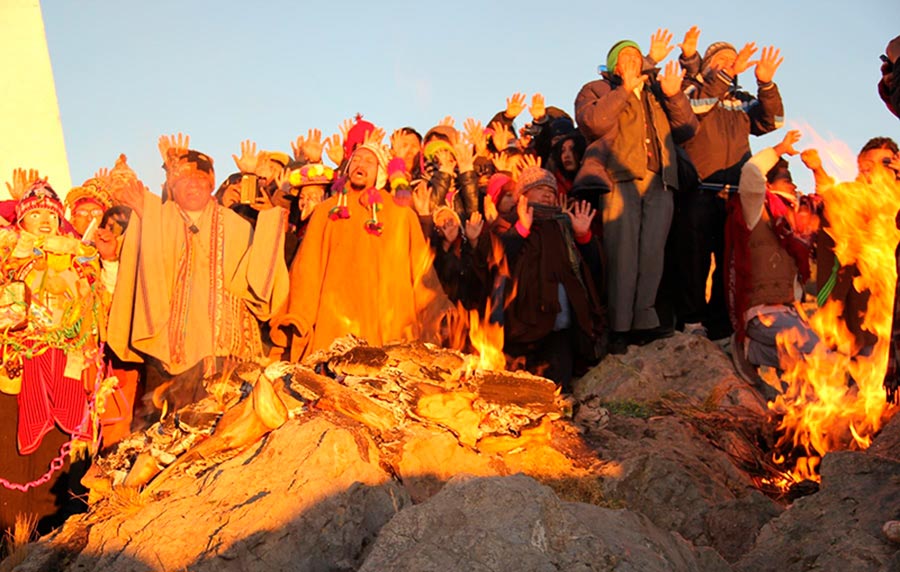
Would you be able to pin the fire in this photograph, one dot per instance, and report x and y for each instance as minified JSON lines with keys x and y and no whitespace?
{"x":834,"y":397}
{"x":487,"y":339}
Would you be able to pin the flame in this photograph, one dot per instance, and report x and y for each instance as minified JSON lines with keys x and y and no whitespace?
{"x":487,"y":339}
{"x":834,"y":397}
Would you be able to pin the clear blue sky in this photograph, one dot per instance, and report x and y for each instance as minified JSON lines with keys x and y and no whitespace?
{"x":223,"y":71}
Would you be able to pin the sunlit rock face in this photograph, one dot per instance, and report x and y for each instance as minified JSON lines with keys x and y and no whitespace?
{"x":343,"y":463}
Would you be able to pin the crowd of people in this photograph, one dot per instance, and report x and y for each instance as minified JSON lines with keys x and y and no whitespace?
{"x":578,"y":236}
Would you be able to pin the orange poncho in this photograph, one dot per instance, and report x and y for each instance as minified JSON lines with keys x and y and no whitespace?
{"x":348,"y":281}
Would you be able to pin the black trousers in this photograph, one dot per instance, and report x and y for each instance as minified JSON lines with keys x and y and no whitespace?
{"x":698,"y":231}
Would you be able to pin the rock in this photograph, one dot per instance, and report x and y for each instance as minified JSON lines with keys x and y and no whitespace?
{"x":665,"y":469}
{"x":887,"y":442}
{"x":838,"y":528}
{"x":683,"y":366}
{"x":310,"y":497}
{"x":514,"y":524}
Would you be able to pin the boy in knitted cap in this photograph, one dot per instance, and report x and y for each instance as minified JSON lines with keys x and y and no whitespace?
{"x":363,"y":268}
{"x":555,"y":318}
{"x":194,"y":278}
{"x":632,"y":119}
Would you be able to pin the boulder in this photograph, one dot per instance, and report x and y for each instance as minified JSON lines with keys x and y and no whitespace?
{"x":515,"y":523}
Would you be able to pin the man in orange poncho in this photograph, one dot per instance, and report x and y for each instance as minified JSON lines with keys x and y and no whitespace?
{"x":363,"y":268}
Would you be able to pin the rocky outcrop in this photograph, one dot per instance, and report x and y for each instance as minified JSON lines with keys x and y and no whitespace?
{"x":656,"y":463}
{"x":514,"y":524}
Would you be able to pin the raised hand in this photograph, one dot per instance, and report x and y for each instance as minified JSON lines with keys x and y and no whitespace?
{"x":631,"y":74}
{"x":525,"y":213}
{"x":102,"y":174}
{"x":537,"y":109}
{"x":581,"y":214}
{"x":421,"y":199}
{"x":811,"y":159}
{"x":446,"y":161}
{"x":660,"y":45}
{"x":131,"y":194}
{"x":447,"y":121}
{"x":742,"y":62}
{"x":345,"y":127}
{"x":501,"y":136}
{"x":671,"y":78}
{"x":515,"y":104}
{"x":490,"y":210}
{"x":768,"y":63}
{"x":786,"y":146}
{"x":502,"y":162}
{"x":283,"y":181}
{"x":177,"y":144}
{"x":334,"y":149}
{"x":21,"y":180}
{"x":528,"y":160}
{"x":465,"y":160}
{"x":474,"y":134}
{"x":374,"y":136}
{"x":473,"y":227}
{"x":689,"y":44}
{"x":105,"y":242}
{"x":249,"y":159}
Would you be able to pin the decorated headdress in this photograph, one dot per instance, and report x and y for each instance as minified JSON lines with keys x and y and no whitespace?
{"x":312,"y":174}
{"x":40,"y":195}
{"x":121,"y":174}
{"x":94,"y":189}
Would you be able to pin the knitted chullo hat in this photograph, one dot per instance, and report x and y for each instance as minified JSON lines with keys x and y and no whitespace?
{"x":357,"y":134}
{"x":40,"y":195}
{"x":382,"y":155}
{"x":534,"y":177}
{"x":613,"y":56}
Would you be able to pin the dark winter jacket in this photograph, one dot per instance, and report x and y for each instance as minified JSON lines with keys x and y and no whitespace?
{"x":728,"y":116}
{"x":614,"y":122}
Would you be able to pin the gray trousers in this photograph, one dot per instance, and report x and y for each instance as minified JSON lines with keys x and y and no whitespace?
{"x":761,"y":346}
{"x":636,"y":220}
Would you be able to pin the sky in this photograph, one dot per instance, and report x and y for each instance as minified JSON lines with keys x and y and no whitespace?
{"x":223,"y":71}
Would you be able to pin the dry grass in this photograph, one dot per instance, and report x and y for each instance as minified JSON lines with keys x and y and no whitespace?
{"x":16,"y":540}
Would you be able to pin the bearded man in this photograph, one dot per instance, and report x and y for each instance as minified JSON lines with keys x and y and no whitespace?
{"x":363,"y":268}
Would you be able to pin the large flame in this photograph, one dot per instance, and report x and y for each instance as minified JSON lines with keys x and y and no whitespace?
{"x":834,"y":397}
{"x":487,"y":339}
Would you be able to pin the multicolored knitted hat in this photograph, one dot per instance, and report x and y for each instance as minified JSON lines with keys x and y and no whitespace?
{"x":534,"y":177}
{"x":712,"y":50}
{"x":40,"y":195}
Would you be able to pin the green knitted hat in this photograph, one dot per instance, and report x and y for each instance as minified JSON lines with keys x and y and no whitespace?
{"x":613,"y":56}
